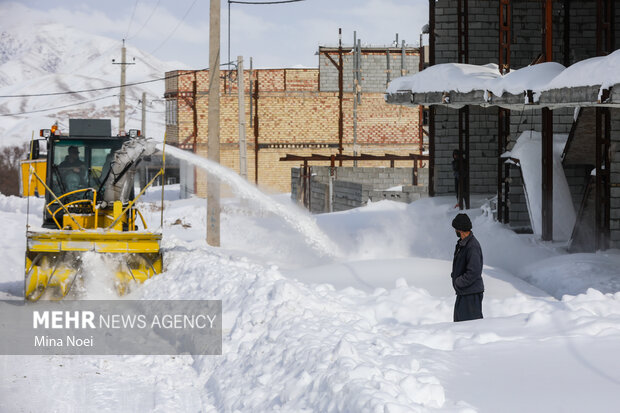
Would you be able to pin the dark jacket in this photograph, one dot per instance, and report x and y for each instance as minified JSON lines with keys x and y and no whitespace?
{"x":467,"y":267}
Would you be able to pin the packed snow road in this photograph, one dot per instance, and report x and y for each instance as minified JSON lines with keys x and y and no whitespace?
{"x":368,"y":330}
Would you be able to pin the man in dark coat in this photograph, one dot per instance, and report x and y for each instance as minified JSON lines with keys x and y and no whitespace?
{"x":467,"y":272}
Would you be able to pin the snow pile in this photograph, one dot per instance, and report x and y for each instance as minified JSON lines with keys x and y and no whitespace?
{"x":311,"y":348}
{"x":528,"y":149}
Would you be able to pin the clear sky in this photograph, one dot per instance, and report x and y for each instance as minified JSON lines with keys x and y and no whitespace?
{"x":284,"y":35}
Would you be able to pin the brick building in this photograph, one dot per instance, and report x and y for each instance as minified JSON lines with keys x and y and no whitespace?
{"x":297,"y":112}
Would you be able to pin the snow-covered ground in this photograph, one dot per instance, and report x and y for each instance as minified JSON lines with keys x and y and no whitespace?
{"x":366,"y":329}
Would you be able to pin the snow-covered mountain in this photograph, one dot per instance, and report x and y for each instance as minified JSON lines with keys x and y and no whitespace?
{"x":54,"y":58}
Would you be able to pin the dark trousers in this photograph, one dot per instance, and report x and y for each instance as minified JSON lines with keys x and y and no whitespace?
{"x":468,"y":307}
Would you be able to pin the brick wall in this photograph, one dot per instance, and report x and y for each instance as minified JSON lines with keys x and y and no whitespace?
{"x":294,"y":118}
{"x":482,"y":152}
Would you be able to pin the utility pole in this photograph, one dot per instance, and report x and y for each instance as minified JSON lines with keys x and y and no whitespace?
{"x":356,"y":89}
{"x":340,"y":95}
{"x":142,"y":170}
{"x":213,"y":143}
{"x":121,"y":104}
{"x":243,"y":157}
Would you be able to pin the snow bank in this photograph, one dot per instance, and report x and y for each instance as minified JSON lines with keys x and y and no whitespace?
{"x":300,"y":348}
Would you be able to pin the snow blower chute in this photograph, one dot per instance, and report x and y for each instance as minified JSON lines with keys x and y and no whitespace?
{"x":89,"y":206}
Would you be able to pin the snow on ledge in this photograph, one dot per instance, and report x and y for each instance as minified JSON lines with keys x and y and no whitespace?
{"x":444,"y":77}
{"x":465,"y":78}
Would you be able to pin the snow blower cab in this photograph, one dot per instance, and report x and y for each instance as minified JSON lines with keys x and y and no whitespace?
{"x":90,"y":207}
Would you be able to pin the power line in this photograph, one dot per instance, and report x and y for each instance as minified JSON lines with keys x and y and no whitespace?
{"x":251,"y":3}
{"x":146,"y":21}
{"x":264,"y":2}
{"x":72,"y":92}
{"x":175,"y":29}
{"x":133,"y":13}
{"x":57,"y":107}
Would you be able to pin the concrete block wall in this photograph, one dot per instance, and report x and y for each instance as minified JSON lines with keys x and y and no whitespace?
{"x":583,"y":30}
{"x":482,"y":153}
{"x":409,"y":194}
{"x":615,"y":179}
{"x":353,"y":187}
{"x":577,"y":177}
{"x":519,"y":216}
{"x":483,"y":32}
{"x":526,"y":45}
{"x":526,"y":41}
{"x":374,"y":69}
{"x":349,"y":195}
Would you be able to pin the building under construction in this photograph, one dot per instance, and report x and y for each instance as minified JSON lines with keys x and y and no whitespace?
{"x":483,"y":127}
{"x":335,"y":109}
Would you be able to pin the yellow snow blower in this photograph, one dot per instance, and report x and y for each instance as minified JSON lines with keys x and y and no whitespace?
{"x":89,"y":206}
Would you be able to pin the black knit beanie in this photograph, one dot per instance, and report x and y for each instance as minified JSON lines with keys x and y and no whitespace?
{"x":461,"y":222}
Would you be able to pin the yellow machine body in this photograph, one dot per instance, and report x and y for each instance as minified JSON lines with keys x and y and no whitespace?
{"x":29,"y":184}
{"x":52,"y":258}
{"x":78,"y":222}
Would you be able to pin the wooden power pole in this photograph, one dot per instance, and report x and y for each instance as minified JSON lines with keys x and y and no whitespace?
{"x":121,"y":119}
{"x":213,"y":142}
{"x":121,"y":103}
{"x":142,"y":170}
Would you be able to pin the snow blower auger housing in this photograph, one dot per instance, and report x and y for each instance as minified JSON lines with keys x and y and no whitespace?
{"x":89,"y":206}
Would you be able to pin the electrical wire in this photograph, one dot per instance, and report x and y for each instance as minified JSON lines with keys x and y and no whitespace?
{"x":72,"y":92}
{"x":175,"y":29}
{"x":133,"y":13}
{"x":146,"y":21}
{"x":58,"y":107}
{"x":264,"y":2}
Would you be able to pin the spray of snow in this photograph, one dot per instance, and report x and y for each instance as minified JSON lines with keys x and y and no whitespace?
{"x":300,"y":221}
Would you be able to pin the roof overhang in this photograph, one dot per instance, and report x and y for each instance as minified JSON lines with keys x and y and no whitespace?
{"x":581,"y":96}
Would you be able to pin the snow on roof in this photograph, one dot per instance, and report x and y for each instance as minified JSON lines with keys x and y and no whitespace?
{"x":528,"y":78}
{"x":604,"y":71}
{"x":464,"y":78}
{"x":448,"y":76}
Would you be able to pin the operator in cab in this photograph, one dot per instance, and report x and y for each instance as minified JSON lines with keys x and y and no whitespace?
{"x":73,"y":170}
